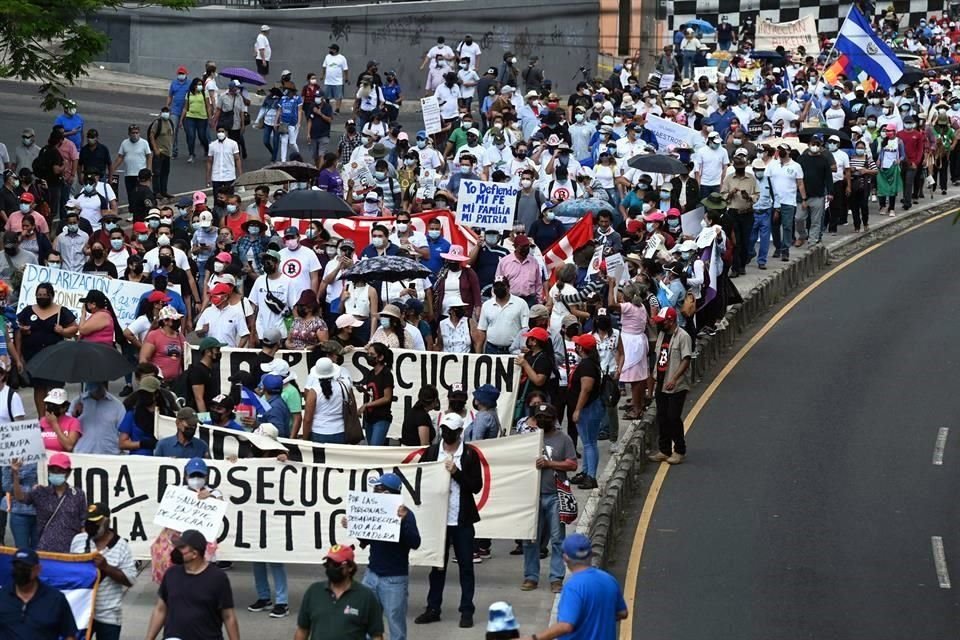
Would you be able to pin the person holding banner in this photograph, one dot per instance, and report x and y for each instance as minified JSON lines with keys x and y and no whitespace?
{"x":61,"y":509}
{"x":32,"y":609}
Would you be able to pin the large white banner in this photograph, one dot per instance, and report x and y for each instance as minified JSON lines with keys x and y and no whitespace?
{"x":669,"y":133}
{"x":511,"y":481}
{"x":411,"y":370}
{"x":276,"y":512}
{"x":70,"y":286}
{"x":789,"y":35}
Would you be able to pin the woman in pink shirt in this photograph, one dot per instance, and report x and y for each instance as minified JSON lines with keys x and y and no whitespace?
{"x":59,"y":430}
{"x":635,"y":368}
{"x":98,"y":323}
{"x":164,"y":345}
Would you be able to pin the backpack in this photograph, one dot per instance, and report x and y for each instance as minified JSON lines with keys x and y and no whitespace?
{"x":180,"y":388}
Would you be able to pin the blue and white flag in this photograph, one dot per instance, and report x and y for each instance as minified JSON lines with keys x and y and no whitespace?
{"x":867,"y":52}
{"x":74,"y":575}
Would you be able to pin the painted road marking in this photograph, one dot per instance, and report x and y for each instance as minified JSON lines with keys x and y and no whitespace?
{"x":940,"y":444}
{"x":940,"y":562}
{"x":646,"y":513}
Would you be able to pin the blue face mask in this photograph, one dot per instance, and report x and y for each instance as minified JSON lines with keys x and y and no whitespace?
{"x":385,"y":322}
{"x":433,"y":233}
{"x":111,"y":226}
{"x":56,"y":479}
{"x":196,"y":226}
{"x":649,"y":227}
{"x":254,"y":231}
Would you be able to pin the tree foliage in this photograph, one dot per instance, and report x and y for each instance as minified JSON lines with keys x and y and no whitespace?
{"x":49,"y":41}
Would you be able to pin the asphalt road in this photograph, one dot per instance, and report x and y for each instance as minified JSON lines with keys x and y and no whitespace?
{"x":809,"y":497}
{"x":111,"y":112}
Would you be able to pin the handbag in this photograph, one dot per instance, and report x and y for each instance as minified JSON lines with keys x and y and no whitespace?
{"x":282,"y":128}
{"x":566,"y":501}
{"x":352,"y":428}
{"x":609,"y":391}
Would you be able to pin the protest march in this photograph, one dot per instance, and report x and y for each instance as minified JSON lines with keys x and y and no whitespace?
{"x":409,"y":349}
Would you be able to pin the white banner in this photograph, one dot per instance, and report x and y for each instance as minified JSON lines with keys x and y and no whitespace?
{"x":277,"y":512}
{"x":709,"y":72}
{"x":432,"y":122}
{"x":690,"y":221}
{"x":373,"y":516}
{"x":411,"y":370}
{"x":488,"y":205}
{"x":182,"y":509}
{"x":669,"y":133}
{"x":21,"y":441}
{"x":789,"y":35}
{"x":511,"y":481}
{"x":70,"y":286}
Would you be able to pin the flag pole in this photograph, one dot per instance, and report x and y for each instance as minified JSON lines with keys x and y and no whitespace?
{"x":833,"y":48}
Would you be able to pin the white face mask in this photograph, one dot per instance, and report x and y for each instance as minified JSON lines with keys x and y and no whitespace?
{"x":402,"y":227}
{"x":196,"y":483}
{"x":377,"y":242}
{"x":221,"y":136}
{"x":370,"y":207}
{"x":218,"y":267}
{"x":163,"y":241}
{"x":526,"y":184}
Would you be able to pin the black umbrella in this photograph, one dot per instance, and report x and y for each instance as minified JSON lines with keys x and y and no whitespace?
{"x":71,"y":361}
{"x":310,"y":203}
{"x":301,"y":171}
{"x":826,"y":132}
{"x":766,"y":55}
{"x":911,"y":74}
{"x":386,"y":268}
{"x":657,"y":163}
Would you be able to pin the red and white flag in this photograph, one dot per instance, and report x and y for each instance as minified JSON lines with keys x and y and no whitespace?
{"x":561,"y":251}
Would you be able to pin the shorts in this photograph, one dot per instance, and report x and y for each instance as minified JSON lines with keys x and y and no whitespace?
{"x":333,"y":91}
{"x":263,"y":67}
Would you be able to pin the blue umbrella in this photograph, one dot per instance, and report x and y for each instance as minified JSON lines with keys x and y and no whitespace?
{"x":703,"y":25}
{"x":244,"y":75}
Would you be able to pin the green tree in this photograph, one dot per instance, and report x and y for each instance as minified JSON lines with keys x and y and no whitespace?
{"x":49,"y":41}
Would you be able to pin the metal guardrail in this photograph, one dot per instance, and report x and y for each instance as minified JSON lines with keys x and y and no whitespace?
{"x":285,"y":4}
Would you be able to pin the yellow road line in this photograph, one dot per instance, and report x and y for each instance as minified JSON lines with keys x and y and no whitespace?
{"x":646,"y":513}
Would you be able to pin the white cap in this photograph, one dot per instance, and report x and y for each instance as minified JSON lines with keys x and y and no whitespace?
{"x":59,"y":396}
{"x":206,"y":218}
{"x":264,"y":27}
{"x":325,"y":369}
{"x":450,"y":420}
{"x":278,"y":367}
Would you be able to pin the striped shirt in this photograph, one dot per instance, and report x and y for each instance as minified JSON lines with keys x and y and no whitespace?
{"x":109,"y":602}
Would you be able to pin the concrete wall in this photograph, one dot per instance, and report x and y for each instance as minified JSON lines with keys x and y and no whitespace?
{"x":564,"y":33}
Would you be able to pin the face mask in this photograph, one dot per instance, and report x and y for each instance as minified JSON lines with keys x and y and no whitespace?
{"x":421,"y":144}
{"x":758,"y":174}
{"x":27,"y":142}
{"x":24,"y":208}
{"x":686,"y":255}
{"x":500,"y":290}
{"x":737,"y":142}
{"x":331,"y":251}
{"x":409,"y":162}
{"x":143,"y":237}
{"x":56,"y":479}
{"x":526,"y":184}
{"x":93,"y":529}
{"x":163,"y":240}
{"x":73,"y":228}
{"x":153,"y":224}
{"x":861,"y":152}
{"x":380,"y":175}
{"x":269,"y":267}
{"x":464,"y":170}
{"x":521,"y":155}
{"x":88,"y":189}
{"x":871,"y":123}
{"x":218,"y":267}
{"x":513,"y":61}
{"x":97,"y":254}
{"x":433,"y":234}
{"x":378,"y":242}
{"x":649,"y":227}
{"x":646,"y":207}
{"x":181,"y":212}
{"x":385,"y":322}
{"x":402,"y":227}
{"x":371,"y":207}
{"x":231,"y":208}
{"x":714,"y":145}
{"x":292,"y":243}
{"x":176,"y":556}
{"x":909,"y":126}
{"x":116,"y":244}
{"x":165,"y":115}
{"x":578,"y":117}
{"x":492,"y":238}
{"x":197,"y":483}
{"x":335,"y":573}
{"x":664,"y":195}
{"x":673,"y":223}
{"x":221,"y":136}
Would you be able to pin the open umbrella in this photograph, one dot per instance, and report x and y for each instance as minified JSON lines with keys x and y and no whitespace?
{"x":793,"y":143}
{"x":301,"y":171}
{"x":911,"y":74}
{"x":826,"y":132}
{"x":765,"y":55}
{"x":697,"y":23}
{"x":263,"y":176}
{"x":657,"y":163}
{"x":310,"y":203}
{"x":244,"y":75}
{"x":71,"y":361}
{"x":387,"y":268}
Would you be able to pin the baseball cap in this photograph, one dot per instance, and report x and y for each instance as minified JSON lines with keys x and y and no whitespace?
{"x":191,"y":537}
{"x":264,"y":27}
{"x":291,"y":232}
{"x":457,"y":390}
{"x":389,"y":480}
{"x":158,"y":296}
{"x":585,"y":340}
{"x":182,"y":69}
{"x":666,"y":313}
{"x":221,"y":289}
{"x":210,"y":343}
{"x":150,"y":384}
{"x":140,"y":227}
{"x":26,"y":196}
{"x":452,"y":421}
{"x":97,"y":512}
{"x":60,"y":460}
{"x":188,"y":415}
{"x":521,"y":241}
{"x":539,"y":311}
{"x":339,"y":553}
{"x":544,"y":409}
{"x":199,"y":197}
{"x":577,"y":546}
{"x":26,"y":556}
{"x":538,"y":334}
{"x":270,"y":253}
{"x":348,"y":320}
{"x":57,"y":396}
{"x":271,"y":336}
{"x":195,"y":466}
{"x":271,"y":382}
{"x":500,"y":618}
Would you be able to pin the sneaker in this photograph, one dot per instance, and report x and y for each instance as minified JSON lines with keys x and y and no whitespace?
{"x":676,"y":458}
{"x":477,"y":558}
{"x":785,"y":257}
{"x":659,"y":456}
{"x":556,"y":586}
{"x":762,"y":267}
{"x":466,"y":620}
{"x":280,"y":611}
{"x":577,"y":479}
{"x":603,"y":435}
{"x":517,"y":550}
{"x":776,"y":254}
{"x":260,"y":605}
{"x":428,"y":616}
{"x":588,"y":483}
{"x":190,"y":158}
{"x":127,"y":390}
{"x":528,"y":585}
{"x":486,"y":554}
{"x":544,"y":552}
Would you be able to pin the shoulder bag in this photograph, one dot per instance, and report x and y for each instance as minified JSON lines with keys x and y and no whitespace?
{"x":566,"y":501}
{"x":352,"y":428}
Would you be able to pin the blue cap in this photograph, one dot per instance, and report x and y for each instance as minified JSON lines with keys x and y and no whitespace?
{"x":271,"y":382}
{"x":422,"y":134}
{"x":414,"y":305}
{"x":195,"y":466}
{"x":501,"y":618}
{"x":487,"y":395}
{"x":389,"y":480}
{"x":159,"y":272}
{"x":26,"y":556}
{"x":184,"y":202}
{"x":577,"y":546}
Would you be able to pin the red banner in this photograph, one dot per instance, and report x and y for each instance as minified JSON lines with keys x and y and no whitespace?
{"x":562,"y":250}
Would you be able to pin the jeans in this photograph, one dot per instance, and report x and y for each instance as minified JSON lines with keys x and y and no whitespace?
{"x":610,"y":420}
{"x":761,"y":232}
{"x":104,"y":631}
{"x":742,"y":229}
{"x":196,"y":128}
{"x":262,"y":585}
{"x":24,"y":529}
{"x":707,"y":189}
{"x":688,"y":58}
{"x":461,"y":537}
{"x":725,"y":46}
{"x":493,"y":349}
{"x":549,"y":517}
{"x":376,"y":432}
{"x":271,"y":140}
{"x":588,"y":427}
{"x":161,"y":173}
{"x":670,"y":422}
{"x":787,"y":213}
{"x":392,"y":593}
{"x":331,"y":438}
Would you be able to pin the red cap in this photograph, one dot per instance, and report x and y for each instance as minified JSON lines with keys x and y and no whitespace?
{"x":224,"y":257}
{"x":634,"y":225}
{"x":655,"y":216}
{"x":27,"y":197}
{"x":140,"y":227}
{"x":158,"y":296}
{"x":182,"y":69}
{"x":60,"y":460}
{"x":666,"y":313}
{"x":222,"y":289}
{"x":585,"y":340}
{"x":339,"y":553}
{"x":521,"y":241}
{"x":673,"y":213}
{"x":538,"y":334}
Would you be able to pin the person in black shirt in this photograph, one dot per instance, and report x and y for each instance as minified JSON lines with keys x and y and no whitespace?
{"x":588,"y":412}
{"x":94,"y":157}
{"x":537,"y":364}
{"x":9,"y":198}
{"x":377,"y":394}
{"x":142,"y":199}
{"x":200,"y":387}
{"x":418,"y":427}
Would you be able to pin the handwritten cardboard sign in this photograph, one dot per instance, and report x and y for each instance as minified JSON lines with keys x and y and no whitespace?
{"x":488,"y":205}
{"x":373,"y":516}
{"x":182,"y":509}
{"x":21,"y":441}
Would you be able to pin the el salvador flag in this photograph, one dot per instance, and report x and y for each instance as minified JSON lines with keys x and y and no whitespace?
{"x":858,"y":41}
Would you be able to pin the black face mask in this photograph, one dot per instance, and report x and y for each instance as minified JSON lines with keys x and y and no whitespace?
{"x":166,"y":262}
{"x":269,"y":268}
{"x":97,"y":254}
{"x":136,"y":268}
{"x":43,"y":303}
{"x":457,"y":405}
{"x":500,"y":291}
{"x":453,"y":266}
{"x":335,"y":573}
{"x":218,"y":416}
{"x":160,"y":283}
{"x":449,"y":435}
{"x":176,"y":556}
{"x":546,"y":424}
{"x":189,"y":433}
{"x":92,"y":529}
{"x":11,"y":251}
{"x":22,"y":575}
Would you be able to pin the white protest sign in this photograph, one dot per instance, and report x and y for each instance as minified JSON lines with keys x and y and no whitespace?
{"x":373,"y":516}
{"x":789,"y":35}
{"x":70,"y":286}
{"x":690,"y":221}
{"x":710,"y":72}
{"x":616,"y":266}
{"x":669,"y":133}
{"x":182,"y":509}
{"x":666,"y":81}
{"x":277,"y":511}
{"x":511,"y":484}
{"x":21,"y":441}
{"x":432,"y":122}
{"x":595,"y":260}
{"x":488,"y":205}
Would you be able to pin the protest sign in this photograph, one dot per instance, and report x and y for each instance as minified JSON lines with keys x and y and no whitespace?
{"x":432,"y":122}
{"x":70,"y":286}
{"x":373,"y":516}
{"x":488,"y":205}
{"x":789,"y":35}
{"x":277,"y":512}
{"x":666,"y":81}
{"x":511,"y":483}
{"x":616,"y":267}
{"x":669,"y":133}
{"x":182,"y":509}
{"x":411,"y":370}
{"x":21,"y":441}
{"x":709,"y":72}
{"x":690,"y":221}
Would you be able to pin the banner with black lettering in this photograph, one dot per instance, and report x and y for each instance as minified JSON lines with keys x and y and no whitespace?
{"x":411,"y":370}
{"x":511,"y":481}
{"x":277,"y":512}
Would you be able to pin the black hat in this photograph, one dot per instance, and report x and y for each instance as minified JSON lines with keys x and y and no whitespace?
{"x":95,"y":295}
{"x":193,"y":539}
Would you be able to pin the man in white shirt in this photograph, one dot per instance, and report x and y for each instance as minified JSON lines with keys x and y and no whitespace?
{"x":502,"y":318}
{"x":441,"y":49}
{"x":469,"y":49}
{"x":96,"y":199}
{"x":298,"y":263}
{"x":223,"y":161}
{"x":273,"y":294}
{"x":222,"y":320}
{"x":430,"y":158}
{"x":710,"y":164}
{"x":448,"y":95}
{"x":151,"y":259}
{"x":262,"y":51}
{"x":786,"y":180}
{"x":134,"y":154}
{"x":334,"y":74}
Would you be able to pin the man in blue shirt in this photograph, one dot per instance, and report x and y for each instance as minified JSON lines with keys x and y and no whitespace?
{"x":30,"y":609}
{"x":183,"y":444}
{"x":176,"y":101}
{"x":591,"y":602}
{"x":437,"y":245}
{"x":278,"y":414}
{"x":71,"y":122}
